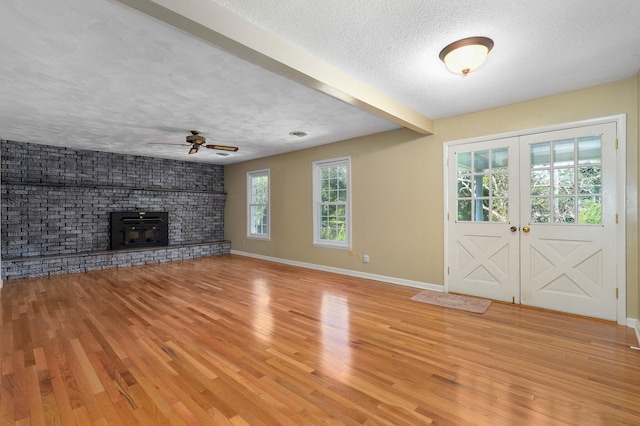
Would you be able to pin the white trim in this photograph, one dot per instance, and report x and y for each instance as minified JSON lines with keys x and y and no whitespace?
{"x":621,"y":234}
{"x":375,"y":277}
{"x":532,"y":131}
{"x":445,"y":192}
{"x":636,"y":327}
{"x":621,"y":125}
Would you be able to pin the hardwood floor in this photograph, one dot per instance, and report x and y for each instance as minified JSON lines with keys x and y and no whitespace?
{"x":231,"y":340}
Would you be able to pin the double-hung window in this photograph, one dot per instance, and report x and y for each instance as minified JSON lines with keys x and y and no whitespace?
{"x":258,"y":204}
{"x":332,"y":203}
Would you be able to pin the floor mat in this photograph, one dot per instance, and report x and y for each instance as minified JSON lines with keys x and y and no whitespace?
{"x":454,"y":301}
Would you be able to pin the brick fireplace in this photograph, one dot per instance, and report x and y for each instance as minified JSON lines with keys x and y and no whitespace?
{"x":56,"y":205}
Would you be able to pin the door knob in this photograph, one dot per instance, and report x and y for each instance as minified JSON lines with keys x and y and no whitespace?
{"x":526,"y":229}
{"x":513,"y":229}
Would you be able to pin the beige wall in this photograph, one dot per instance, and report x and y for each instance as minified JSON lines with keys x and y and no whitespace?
{"x":397,"y":183}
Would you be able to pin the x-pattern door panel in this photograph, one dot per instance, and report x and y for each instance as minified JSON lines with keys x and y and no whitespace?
{"x":485,"y":262}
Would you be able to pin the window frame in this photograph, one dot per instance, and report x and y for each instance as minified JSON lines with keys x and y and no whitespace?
{"x":250,"y":179}
{"x":316,"y":202}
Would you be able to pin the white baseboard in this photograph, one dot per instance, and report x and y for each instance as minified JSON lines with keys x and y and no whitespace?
{"x":635,"y":324}
{"x":375,"y":277}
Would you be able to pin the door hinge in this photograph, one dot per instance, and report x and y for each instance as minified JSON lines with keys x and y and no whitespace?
{"x":448,"y":218}
{"x":447,"y":162}
{"x":513,"y":300}
{"x":617,"y":294}
{"x":616,"y":218}
{"x":448,"y":270}
{"x":616,"y":143}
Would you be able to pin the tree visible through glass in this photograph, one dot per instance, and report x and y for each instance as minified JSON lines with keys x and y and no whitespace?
{"x":566,"y":181}
{"x":483,"y":185}
{"x":259,"y":204}
{"x":333,"y":202}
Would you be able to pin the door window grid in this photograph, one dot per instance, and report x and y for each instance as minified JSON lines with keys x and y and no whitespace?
{"x":483,"y":186}
{"x":566,"y":181}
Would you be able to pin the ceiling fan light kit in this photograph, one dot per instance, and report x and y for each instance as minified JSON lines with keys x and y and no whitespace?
{"x":466,"y":55}
{"x":195,"y":138}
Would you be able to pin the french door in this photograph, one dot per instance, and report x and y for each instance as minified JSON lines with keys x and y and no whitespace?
{"x":532,"y":220}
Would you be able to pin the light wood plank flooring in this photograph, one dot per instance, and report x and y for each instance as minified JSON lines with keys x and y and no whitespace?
{"x":231,"y":340}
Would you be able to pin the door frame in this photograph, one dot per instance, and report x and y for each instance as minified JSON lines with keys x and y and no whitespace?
{"x":621,"y":191}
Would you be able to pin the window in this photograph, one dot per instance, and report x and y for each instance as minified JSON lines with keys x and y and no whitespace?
{"x":483,"y":185}
{"x":566,"y":181}
{"x":258,"y":204}
{"x":332,"y":203}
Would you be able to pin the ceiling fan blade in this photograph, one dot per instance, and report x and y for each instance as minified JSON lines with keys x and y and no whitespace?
{"x":169,"y":144}
{"x":223,"y":147}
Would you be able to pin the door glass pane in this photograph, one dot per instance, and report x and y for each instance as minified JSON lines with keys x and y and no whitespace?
{"x":464,"y":163}
{"x":499,"y":159}
{"x":482,"y":210}
{"x":540,"y":182}
{"x":480,"y":161}
{"x":590,"y":180}
{"x":540,"y":210}
{"x":500,"y":210}
{"x":481,"y":188}
{"x":464,"y":210}
{"x":540,"y":155}
{"x":464,"y":186}
{"x":563,"y":181}
{"x":590,"y":210}
{"x":499,"y":185}
{"x":590,"y":150}
{"x":563,"y":153}
{"x":564,"y":210}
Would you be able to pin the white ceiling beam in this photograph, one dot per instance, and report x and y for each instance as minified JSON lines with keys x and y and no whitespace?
{"x":213,"y":23}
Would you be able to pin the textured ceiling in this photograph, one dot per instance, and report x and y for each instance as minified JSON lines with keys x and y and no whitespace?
{"x":100,"y":75}
{"x":542,"y":47}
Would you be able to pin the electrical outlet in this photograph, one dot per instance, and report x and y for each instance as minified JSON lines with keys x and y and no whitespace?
{"x":365,"y":258}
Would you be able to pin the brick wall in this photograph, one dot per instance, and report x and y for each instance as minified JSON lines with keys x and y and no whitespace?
{"x":56,"y":203}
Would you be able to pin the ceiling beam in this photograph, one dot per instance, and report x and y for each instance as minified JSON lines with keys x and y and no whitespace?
{"x":213,"y":23}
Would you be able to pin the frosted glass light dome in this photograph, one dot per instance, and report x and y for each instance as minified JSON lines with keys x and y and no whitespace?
{"x":466,"y":55}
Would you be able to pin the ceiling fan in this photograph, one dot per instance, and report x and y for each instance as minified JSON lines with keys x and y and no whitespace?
{"x":197,"y":141}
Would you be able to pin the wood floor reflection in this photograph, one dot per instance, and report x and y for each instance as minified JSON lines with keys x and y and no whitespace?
{"x":230,"y":340}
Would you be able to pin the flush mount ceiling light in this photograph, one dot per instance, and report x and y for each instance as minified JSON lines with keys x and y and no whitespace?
{"x":466,"y":55}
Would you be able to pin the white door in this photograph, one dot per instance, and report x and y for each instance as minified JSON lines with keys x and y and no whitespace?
{"x":483,"y":218}
{"x":568,"y":199}
{"x":559,"y":200}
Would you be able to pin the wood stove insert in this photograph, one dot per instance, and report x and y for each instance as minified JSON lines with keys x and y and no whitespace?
{"x":139,"y":229}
